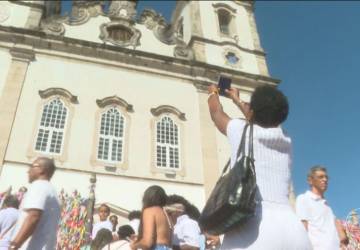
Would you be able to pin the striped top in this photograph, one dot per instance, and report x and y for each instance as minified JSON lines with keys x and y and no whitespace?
{"x":272,"y":153}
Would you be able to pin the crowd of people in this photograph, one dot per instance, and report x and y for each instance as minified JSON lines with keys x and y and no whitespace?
{"x":171,"y":221}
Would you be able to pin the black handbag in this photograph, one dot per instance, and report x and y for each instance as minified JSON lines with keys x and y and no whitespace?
{"x":232,"y":201}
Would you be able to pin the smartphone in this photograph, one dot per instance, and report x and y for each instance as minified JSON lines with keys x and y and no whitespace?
{"x":224,"y":83}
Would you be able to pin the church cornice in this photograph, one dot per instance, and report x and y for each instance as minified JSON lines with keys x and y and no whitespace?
{"x":114,"y":100}
{"x":224,"y":43}
{"x":43,"y":43}
{"x":44,"y":94}
{"x":33,"y":4}
{"x":168,"y":109}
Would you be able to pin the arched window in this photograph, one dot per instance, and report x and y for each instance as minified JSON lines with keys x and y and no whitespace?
{"x":51,"y":131}
{"x":224,"y":21}
{"x":167,"y":144}
{"x":111,"y":136}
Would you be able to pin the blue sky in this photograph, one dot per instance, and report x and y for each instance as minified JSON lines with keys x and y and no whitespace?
{"x":314,"y":48}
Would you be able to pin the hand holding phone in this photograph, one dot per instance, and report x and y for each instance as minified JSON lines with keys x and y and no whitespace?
{"x":224,"y":83}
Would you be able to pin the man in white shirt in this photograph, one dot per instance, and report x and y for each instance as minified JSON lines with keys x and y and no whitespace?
{"x":186,"y":235}
{"x":316,"y":215}
{"x":8,"y":217}
{"x":104,"y":212}
{"x":40,"y":210}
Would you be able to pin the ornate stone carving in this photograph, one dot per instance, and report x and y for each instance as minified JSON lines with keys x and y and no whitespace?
{"x":165,"y":33}
{"x":53,"y":26}
{"x":123,"y":10}
{"x":168,"y":109}
{"x":115,"y":100}
{"x":151,"y":19}
{"x":120,"y":33}
{"x":22,"y":54}
{"x":58,"y":91}
{"x":232,"y":58}
{"x":4,"y":12}
{"x":224,"y":6}
{"x":82,"y":11}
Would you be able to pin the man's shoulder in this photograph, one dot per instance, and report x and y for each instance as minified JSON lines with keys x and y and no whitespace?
{"x":43,"y":185}
{"x":303,"y":198}
{"x":188,"y":222}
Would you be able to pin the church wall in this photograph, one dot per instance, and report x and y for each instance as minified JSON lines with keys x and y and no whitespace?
{"x":98,"y":82}
{"x":17,"y":15}
{"x":5,"y":60}
{"x":186,"y":23}
{"x":88,"y":31}
{"x":216,"y":56}
{"x":149,"y":43}
{"x":215,"y":53}
{"x":209,"y":21}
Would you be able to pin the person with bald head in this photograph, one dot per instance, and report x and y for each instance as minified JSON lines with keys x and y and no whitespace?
{"x":40,"y":210}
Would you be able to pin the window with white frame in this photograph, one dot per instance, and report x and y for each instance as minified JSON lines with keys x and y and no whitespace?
{"x":111,"y":136}
{"x":51,"y":131}
{"x":167,"y":144}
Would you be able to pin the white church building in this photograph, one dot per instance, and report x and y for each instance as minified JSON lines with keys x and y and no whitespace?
{"x":122,"y":94}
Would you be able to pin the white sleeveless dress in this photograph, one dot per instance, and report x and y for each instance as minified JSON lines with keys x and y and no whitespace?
{"x":275,"y":226}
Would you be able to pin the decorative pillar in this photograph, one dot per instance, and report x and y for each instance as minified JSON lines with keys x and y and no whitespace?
{"x":208,"y":141}
{"x":260,"y":56}
{"x":292,"y":196}
{"x":10,"y":96}
{"x":90,"y":209}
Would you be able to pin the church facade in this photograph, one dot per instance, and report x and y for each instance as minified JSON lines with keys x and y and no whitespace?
{"x":121,"y":94}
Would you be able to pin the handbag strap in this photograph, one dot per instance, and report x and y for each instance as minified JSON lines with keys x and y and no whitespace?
{"x":241,"y":148}
{"x":251,"y":142}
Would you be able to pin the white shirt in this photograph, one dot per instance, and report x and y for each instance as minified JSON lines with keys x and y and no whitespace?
{"x":321,"y":221}
{"x":272,"y":153}
{"x":135,"y":223}
{"x":8,"y":217}
{"x":41,"y":195}
{"x":118,"y":245}
{"x":100,"y":225}
{"x":186,"y":232}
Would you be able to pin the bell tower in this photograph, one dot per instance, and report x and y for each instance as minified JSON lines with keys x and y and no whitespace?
{"x":221,"y":33}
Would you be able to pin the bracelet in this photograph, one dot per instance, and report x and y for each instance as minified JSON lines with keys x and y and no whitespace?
{"x":215,"y":92}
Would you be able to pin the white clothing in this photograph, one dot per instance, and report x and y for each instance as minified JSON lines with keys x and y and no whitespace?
{"x":118,"y":245}
{"x":321,"y":221}
{"x":275,"y":225}
{"x":102,"y":224}
{"x":186,"y":232}
{"x":135,"y":223}
{"x":41,"y":195}
{"x":8,"y":218}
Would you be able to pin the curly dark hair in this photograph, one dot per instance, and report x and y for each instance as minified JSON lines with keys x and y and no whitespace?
{"x":191,"y":210}
{"x":125,"y":231}
{"x":270,"y":106}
